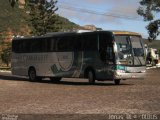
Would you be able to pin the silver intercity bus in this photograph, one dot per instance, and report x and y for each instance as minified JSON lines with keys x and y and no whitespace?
{"x":96,"y":55}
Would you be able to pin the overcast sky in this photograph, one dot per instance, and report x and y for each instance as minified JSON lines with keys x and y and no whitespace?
{"x":105,"y":14}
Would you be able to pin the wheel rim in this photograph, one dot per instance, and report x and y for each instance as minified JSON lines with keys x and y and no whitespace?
{"x":32,"y":74}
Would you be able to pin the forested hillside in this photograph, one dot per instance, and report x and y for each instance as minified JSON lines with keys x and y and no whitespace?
{"x":16,"y":20}
{"x":11,"y":18}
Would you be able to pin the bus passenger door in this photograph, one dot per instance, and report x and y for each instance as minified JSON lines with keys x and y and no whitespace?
{"x":106,"y":66}
{"x":107,"y":62}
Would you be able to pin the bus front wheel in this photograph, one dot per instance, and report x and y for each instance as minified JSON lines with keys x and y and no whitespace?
{"x":91,"y":77}
{"x":117,"y":81}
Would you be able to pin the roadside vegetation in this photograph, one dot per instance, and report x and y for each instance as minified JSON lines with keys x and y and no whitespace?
{"x":148,"y":10}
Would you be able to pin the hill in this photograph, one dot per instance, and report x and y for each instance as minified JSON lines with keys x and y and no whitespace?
{"x":64,"y":24}
{"x":10,"y":18}
{"x":15,"y":19}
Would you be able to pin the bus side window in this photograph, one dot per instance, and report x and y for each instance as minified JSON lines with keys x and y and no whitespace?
{"x":15,"y":46}
{"x":68,"y":43}
{"x":105,"y":47}
{"x":71,"y":43}
{"x":59,"y":44}
{"x":26,"y":44}
{"x":90,"y":42}
{"x":22,"y":47}
{"x":63,"y":44}
{"x":36,"y":45}
{"x":51,"y":44}
{"x":77,"y":43}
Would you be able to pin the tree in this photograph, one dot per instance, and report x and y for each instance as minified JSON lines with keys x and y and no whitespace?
{"x":6,"y":55}
{"x":148,"y":9}
{"x":42,"y":16}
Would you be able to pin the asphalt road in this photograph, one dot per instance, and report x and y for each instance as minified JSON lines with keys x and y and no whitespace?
{"x":76,"y":96}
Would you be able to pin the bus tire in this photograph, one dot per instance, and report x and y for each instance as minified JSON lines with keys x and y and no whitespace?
{"x":55,"y":79}
{"x":32,"y":74}
{"x":117,"y":81}
{"x":91,"y":77}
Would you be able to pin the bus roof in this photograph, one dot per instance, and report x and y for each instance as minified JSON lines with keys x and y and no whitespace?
{"x":114,"y":32}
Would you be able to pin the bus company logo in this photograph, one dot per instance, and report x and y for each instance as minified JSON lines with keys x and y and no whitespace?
{"x":64,"y":62}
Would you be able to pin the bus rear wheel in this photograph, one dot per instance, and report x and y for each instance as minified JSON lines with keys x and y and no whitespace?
{"x":32,"y":75}
{"x":91,"y":77}
{"x":117,"y":81}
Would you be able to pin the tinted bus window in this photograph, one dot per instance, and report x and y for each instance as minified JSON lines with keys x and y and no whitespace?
{"x":78,"y":43}
{"x":51,"y":44}
{"x":106,"y":47}
{"x":36,"y":45}
{"x":105,"y":38}
{"x":90,"y":42}
{"x":20,"y":46}
{"x":15,"y":45}
{"x":68,"y":43}
{"x":62,"y":44}
{"x":26,"y":45}
{"x":44,"y":45}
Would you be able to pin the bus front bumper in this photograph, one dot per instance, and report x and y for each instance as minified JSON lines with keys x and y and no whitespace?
{"x":118,"y":75}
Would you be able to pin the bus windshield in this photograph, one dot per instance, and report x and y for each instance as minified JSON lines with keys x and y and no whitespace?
{"x":129,"y":50}
{"x":123,"y":46}
{"x":137,"y":46}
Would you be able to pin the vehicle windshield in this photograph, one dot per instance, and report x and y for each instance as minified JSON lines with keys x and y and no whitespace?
{"x":129,"y":50}
{"x":137,"y":46}
{"x":123,"y":47}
